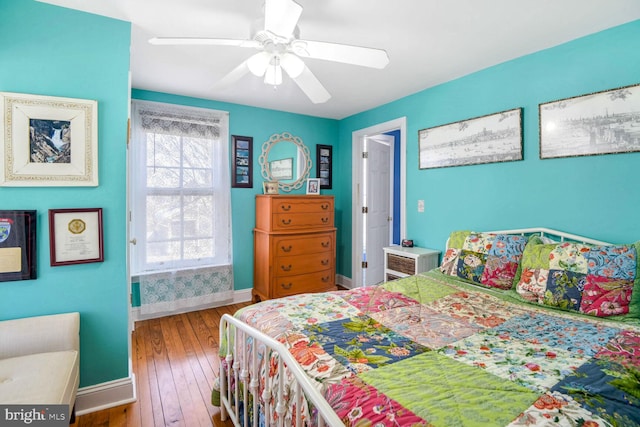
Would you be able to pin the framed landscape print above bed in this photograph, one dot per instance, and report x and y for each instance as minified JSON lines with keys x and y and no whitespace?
{"x":605,"y":122}
{"x":487,"y":139}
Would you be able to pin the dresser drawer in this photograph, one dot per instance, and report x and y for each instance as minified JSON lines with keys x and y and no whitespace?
{"x":305,"y":244}
{"x":296,"y":205}
{"x":278,"y":213}
{"x":301,"y":221}
{"x":314,"y":282}
{"x":301,"y":264}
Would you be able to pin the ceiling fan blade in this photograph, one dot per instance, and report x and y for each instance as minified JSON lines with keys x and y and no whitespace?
{"x":233,"y":76}
{"x":311,"y":86}
{"x":181,"y":41}
{"x":348,"y":54}
{"x":281,"y":16}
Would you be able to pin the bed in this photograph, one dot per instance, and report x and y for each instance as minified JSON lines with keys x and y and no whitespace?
{"x":515,"y":328}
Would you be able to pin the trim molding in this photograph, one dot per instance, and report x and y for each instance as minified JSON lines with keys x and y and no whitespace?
{"x":242,"y":295}
{"x":344,"y":281}
{"x":106,"y":395}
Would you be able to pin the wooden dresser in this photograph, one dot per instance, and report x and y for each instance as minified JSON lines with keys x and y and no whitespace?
{"x":294,"y":245}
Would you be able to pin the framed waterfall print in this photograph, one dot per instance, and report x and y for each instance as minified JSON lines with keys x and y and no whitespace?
{"x":75,"y":236}
{"x":48,"y":141}
{"x":17,"y":245}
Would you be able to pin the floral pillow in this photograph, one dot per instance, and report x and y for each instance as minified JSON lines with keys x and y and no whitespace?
{"x":484,"y":258}
{"x":595,"y":280}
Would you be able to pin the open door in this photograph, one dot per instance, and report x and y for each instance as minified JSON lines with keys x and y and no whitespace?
{"x":367,"y":183}
{"x":378,"y":204}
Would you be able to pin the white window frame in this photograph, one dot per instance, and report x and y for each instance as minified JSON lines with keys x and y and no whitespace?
{"x":220,"y":189}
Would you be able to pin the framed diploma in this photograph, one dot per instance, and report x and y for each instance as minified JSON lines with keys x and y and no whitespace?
{"x":17,"y":245}
{"x":75,"y":236}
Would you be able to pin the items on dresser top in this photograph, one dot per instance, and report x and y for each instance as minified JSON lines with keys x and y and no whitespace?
{"x":294,"y":245}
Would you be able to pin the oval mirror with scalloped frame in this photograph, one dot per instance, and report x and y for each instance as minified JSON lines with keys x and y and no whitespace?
{"x":285,"y":159}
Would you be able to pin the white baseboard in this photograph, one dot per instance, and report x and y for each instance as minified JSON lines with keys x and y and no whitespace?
{"x":344,"y":281}
{"x":106,"y":395}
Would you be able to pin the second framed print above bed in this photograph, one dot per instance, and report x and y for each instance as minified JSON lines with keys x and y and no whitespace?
{"x":487,"y":139}
{"x":598,"y":123}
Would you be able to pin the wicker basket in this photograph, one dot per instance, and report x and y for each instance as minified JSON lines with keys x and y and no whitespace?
{"x":401,"y":264}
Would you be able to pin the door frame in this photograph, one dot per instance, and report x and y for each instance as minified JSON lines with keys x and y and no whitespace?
{"x":357,"y":143}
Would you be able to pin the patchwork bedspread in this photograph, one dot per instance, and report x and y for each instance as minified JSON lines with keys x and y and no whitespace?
{"x":429,"y":350}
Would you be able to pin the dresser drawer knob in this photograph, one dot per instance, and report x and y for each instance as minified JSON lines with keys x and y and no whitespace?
{"x":325,"y":244}
{"x":286,"y":286}
{"x":285,"y":207}
{"x":324,"y":262}
{"x":325,"y":279}
{"x":286,"y":249}
{"x":286,"y":221}
{"x":324,"y":206}
{"x":286,"y":267}
{"x":325,"y":220}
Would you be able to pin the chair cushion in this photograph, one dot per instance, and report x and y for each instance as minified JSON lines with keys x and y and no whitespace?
{"x":41,"y":378}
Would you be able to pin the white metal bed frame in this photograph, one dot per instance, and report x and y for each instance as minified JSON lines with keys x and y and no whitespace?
{"x":243,"y":374}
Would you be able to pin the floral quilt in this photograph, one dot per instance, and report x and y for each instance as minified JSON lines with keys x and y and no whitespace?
{"x":428,"y":350}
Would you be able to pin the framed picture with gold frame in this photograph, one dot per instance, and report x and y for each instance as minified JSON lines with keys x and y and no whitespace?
{"x":18,"y":245}
{"x":75,"y":236}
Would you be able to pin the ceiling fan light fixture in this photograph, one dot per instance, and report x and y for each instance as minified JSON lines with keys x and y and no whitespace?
{"x":293,"y":65}
{"x":273,"y":75}
{"x":258,"y":63}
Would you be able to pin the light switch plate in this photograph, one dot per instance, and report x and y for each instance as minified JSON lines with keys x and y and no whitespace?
{"x":420,"y":205}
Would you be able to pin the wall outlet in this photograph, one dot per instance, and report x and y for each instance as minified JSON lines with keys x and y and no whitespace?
{"x":420,"y":205}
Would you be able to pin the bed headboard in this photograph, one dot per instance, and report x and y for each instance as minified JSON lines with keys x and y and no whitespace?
{"x":552,"y":234}
{"x":560,"y":236}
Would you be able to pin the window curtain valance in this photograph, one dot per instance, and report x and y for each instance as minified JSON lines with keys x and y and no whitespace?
{"x":181,"y":121}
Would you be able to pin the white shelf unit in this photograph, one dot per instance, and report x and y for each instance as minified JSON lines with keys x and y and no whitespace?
{"x":402,"y":262}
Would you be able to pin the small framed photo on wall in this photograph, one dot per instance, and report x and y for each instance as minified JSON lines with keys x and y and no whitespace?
{"x":242,"y":161}
{"x":324,"y":162}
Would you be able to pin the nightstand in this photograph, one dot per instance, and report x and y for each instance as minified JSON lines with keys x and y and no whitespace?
{"x":402,"y":262}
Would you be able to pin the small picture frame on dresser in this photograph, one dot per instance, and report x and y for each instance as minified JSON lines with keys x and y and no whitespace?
{"x":270,"y":187}
{"x":313,"y":186}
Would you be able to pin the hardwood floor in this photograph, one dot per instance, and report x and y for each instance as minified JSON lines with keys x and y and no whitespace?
{"x":175,"y":361}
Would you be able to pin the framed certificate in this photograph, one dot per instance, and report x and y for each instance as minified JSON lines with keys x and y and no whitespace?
{"x":17,"y":245}
{"x":75,"y":236}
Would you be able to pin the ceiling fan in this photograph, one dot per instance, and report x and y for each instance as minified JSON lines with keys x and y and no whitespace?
{"x":276,"y":36}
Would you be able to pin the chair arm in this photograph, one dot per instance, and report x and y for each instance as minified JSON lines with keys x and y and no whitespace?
{"x":40,"y":334}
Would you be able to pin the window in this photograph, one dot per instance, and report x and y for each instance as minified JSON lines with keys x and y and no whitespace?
{"x":180,"y":187}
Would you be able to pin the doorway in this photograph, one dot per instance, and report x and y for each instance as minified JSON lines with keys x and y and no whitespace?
{"x":372,"y":208}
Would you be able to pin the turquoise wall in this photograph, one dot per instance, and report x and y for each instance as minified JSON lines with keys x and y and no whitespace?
{"x":48,"y":50}
{"x":260,"y":124}
{"x":59,"y":52}
{"x":597,"y":196}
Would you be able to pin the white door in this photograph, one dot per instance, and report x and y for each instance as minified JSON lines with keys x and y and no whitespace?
{"x":378,"y":199}
{"x":359,"y":231}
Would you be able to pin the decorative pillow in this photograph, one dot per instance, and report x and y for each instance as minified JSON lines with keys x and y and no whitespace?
{"x":591,"y":279}
{"x":484,"y":258}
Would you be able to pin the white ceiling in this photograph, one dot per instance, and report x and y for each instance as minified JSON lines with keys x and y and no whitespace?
{"x":428,"y":41}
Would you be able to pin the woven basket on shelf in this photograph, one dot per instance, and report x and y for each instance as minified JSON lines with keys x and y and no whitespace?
{"x":401,"y":264}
